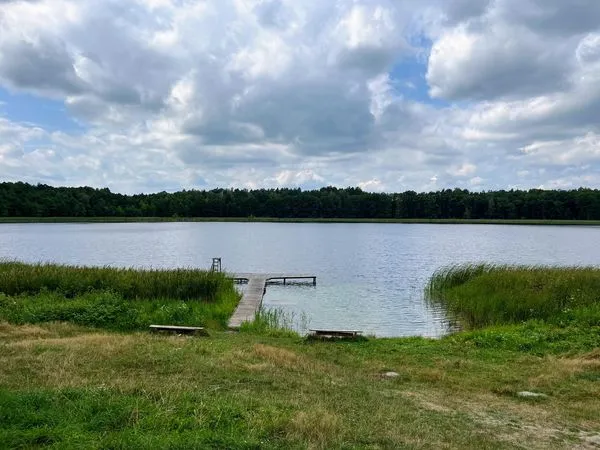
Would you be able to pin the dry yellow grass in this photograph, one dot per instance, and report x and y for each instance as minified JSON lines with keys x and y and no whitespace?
{"x":317,"y":426}
{"x":9,"y":331}
{"x":563,"y":368}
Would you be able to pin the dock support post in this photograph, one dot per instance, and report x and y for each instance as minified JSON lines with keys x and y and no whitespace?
{"x":314,"y":281}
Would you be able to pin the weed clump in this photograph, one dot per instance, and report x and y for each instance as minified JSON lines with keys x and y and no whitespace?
{"x":271,"y":322}
{"x":484,"y":294}
{"x":181,"y":284}
{"x":113,"y":298}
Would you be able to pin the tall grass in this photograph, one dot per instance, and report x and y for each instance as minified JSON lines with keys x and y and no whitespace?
{"x":112,"y":298}
{"x":272,"y":322}
{"x":486,"y":294}
{"x":107,"y":310}
{"x":181,"y":284}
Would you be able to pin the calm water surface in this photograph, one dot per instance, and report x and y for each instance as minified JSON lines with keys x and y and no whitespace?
{"x":370,"y":276}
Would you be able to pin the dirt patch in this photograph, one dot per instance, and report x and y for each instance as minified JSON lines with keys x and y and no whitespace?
{"x":513,"y":422}
{"x":589,"y":440}
{"x":424,"y":401}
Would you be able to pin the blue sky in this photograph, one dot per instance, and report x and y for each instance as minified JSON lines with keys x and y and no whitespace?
{"x":388,"y":95}
{"x":40,"y":111}
{"x":408,"y":77}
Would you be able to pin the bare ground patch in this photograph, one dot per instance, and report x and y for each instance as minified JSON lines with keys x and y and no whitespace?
{"x":514,"y":422}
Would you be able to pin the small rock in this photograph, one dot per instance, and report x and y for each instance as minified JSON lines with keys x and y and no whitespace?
{"x":528,"y":394}
{"x":391,"y":374}
{"x":593,"y":439}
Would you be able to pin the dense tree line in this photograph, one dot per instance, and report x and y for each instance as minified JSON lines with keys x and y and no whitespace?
{"x":26,"y":200}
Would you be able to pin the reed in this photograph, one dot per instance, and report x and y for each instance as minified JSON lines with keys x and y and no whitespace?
{"x":487,"y":294}
{"x":113,"y":298}
{"x":107,"y":310}
{"x":276,"y":321}
{"x":131,"y":284}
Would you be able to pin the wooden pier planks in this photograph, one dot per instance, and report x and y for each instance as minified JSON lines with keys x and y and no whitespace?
{"x":250,"y":302}
{"x":271,"y":277}
{"x":254,"y":293}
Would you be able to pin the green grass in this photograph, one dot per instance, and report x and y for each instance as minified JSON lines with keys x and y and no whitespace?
{"x":105,"y":309}
{"x":115,"y":299}
{"x":68,"y":387}
{"x":64,"y":384}
{"x":293,"y":220}
{"x":482,"y":295}
{"x":272,"y":322}
{"x":178,"y":284}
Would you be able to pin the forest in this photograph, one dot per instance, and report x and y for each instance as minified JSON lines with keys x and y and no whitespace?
{"x":26,"y":200}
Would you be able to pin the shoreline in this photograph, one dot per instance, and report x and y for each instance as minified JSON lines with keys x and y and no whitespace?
{"x":17,"y":220}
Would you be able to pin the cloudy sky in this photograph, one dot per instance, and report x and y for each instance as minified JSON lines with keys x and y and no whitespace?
{"x":152,"y":95}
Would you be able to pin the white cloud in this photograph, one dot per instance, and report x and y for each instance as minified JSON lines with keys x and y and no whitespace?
{"x":176,"y":94}
{"x":495,"y":59}
{"x":302,"y":178}
{"x":463,"y":170}
{"x":577,"y":151}
{"x":373,"y":185}
{"x":476,"y":181}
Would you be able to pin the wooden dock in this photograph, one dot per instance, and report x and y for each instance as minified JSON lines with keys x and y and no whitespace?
{"x":255,"y":291}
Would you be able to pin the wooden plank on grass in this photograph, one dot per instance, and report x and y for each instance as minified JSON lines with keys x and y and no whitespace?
{"x":336,"y":333}
{"x":198,"y":331}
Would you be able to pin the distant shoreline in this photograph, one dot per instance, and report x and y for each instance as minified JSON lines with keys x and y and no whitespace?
{"x":8,"y":220}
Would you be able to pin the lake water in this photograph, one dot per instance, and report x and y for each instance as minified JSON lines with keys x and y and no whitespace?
{"x":370,"y":276}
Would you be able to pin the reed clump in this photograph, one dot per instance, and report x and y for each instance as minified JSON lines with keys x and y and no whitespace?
{"x":181,"y":284}
{"x":114,"y":298}
{"x":274,"y":322}
{"x":488,"y":294}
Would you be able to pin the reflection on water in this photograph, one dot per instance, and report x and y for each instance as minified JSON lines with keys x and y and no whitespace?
{"x":370,"y":276}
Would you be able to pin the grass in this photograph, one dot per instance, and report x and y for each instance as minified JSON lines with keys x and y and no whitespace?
{"x":178,"y":284}
{"x":482,"y":295}
{"x":110,"y":311}
{"x":64,"y":384}
{"x":276,"y":322}
{"x":294,"y":220}
{"x":116,"y":299}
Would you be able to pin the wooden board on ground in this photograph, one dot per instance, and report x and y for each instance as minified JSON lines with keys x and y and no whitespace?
{"x":336,"y":333}
{"x":197,"y":331}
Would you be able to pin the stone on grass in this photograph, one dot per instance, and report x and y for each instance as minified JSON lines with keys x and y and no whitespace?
{"x":528,"y":394}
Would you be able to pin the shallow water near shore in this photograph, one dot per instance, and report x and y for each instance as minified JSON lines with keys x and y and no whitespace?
{"x":370,"y":276}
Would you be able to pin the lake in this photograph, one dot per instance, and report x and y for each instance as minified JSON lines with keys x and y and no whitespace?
{"x":370,"y":276}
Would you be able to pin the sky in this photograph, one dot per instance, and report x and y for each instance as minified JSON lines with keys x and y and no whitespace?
{"x":387,"y":95}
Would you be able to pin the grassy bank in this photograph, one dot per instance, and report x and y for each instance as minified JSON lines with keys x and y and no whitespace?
{"x":64,"y":385}
{"x":118,"y":299}
{"x":177,"y":284}
{"x":293,"y":220}
{"x":482,"y":295}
